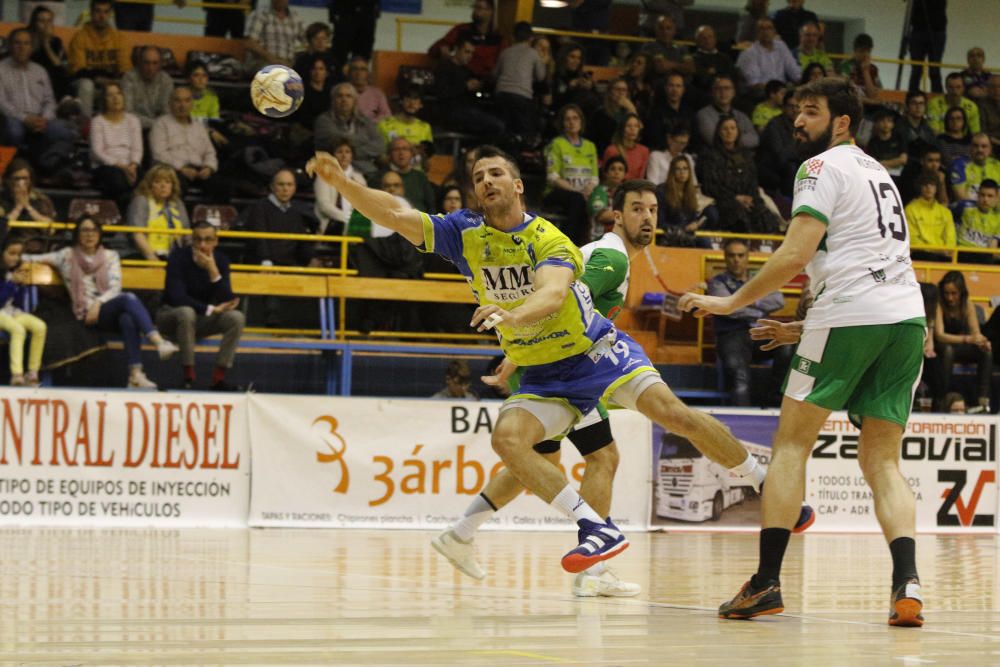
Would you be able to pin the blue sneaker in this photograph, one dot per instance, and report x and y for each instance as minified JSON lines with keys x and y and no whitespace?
{"x":598,"y":541}
{"x":806,"y":518}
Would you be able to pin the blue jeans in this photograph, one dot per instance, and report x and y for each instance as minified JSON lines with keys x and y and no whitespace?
{"x":125,"y":313}
{"x":55,"y":130}
{"x":736,"y":350}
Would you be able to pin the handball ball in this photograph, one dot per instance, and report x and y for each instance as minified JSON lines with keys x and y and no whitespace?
{"x":277,"y":91}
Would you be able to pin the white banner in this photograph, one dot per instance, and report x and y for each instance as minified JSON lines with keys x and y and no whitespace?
{"x":949,"y":461}
{"x":374,"y":463}
{"x":99,"y":458}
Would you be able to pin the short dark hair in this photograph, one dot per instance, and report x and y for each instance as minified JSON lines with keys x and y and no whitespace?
{"x":864,"y":41}
{"x":15,"y":32}
{"x":202,"y":224}
{"x":773,"y":86}
{"x":730,"y":241}
{"x":194,"y":64}
{"x":94,"y":3}
{"x":631,"y":185}
{"x":522,"y":31}
{"x":841,"y":98}
{"x":75,"y":236}
{"x":884,"y":112}
{"x":561,"y":116}
{"x":926,"y":179}
{"x":492,"y":151}
{"x":411,"y":92}
{"x":316,"y":28}
{"x":911,"y":95}
{"x":954,"y":75}
{"x":463,"y":39}
{"x":789,"y":94}
{"x":989,"y":183}
{"x":679,"y":127}
{"x":13,"y":239}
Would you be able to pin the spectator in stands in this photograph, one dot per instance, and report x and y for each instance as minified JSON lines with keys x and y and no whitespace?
{"x":723,"y":93}
{"x":318,"y":45}
{"x":916,"y":130}
{"x":651,"y":11}
{"x":669,"y":110}
{"x":886,"y":145}
{"x":417,"y":189}
{"x":966,"y":172}
{"x":957,"y":336}
{"x":205,"y":101}
{"x":979,"y":225}
{"x":407,"y":124}
{"x":728,"y":174}
{"x":709,"y":62}
{"x":626,"y":144}
{"x":198,"y":301}
{"x":279,"y":214}
{"x":770,"y":107}
{"x":975,"y":77}
{"x":461,"y":176}
{"x":659,"y":161}
{"x":666,"y":56}
{"x":147,"y":88}
{"x":15,"y":322}
{"x":571,"y":173}
{"x":953,"y":403}
{"x":316,"y":100}
{"x":956,"y":140}
{"x":746,"y":26}
{"x":812,"y":72}
{"x":481,"y":32}
{"x":544,"y":88}
{"x":157,"y":206}
{"x":28,"y":103}
{"x":860,"y":69}
{"x":451,"y":199}
{"x":809,"y":50}
{"x":602,"y":123}
{"x":938,"y":107}
{"x":457,"y":379}
{"x":930,"y":164}
{"x":354,"y":25}
{"x":777,"y":159}
{"x":456,"y":87}
{"x":930,"y":222}
{"x":48,"y":50}
{"x":93,"y":277}
{"x":519,"y":69}
{"x":734,"y":347}
{"x":572,"y":84}
{"x":344,"y":120}
{"x":682,"y":212}
{"x":223,"y":22}
{"x":789,"y":20}
{"x":640,"y":91}
{"x":97,"y":54}
{"x":599,"y":203}
{"x":766,"y":59}
{"x":332,"y":210}
{"x":928,"y":31}
{"x":20,"y":200}
{"x":274,"y":34}
{"x":115,"y":147}
{"x":371,"y":100}
{"x":176,"y":140}
{"x":989,"y":110}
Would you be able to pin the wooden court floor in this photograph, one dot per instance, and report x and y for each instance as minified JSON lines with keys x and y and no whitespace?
{"x":339,"y":597}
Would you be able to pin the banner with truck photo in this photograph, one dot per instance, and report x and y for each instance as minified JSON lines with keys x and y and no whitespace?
{"x":379,"y":463}
{"x":121,"y":458}
{"x":949,"y":461}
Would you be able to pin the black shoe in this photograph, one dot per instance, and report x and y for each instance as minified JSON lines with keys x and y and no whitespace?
{"x":222,"y":385}
{"x":750,"y":601}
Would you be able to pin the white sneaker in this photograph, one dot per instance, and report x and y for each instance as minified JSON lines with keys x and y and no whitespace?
{"x":166,"y":349}
{"x":138,"y":380}
{"x":460,"y":554}
{"x":606,"y":585}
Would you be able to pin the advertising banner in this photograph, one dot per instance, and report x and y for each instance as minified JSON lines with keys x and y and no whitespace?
{"x":378,"y":463}
{"x":99,"y":458}
{"x":949,"y":462}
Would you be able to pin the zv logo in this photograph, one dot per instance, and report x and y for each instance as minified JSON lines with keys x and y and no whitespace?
{"x":966,"y":514}
{"x":325,"y":428}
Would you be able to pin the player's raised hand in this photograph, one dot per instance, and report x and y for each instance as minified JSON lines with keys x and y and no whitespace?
{"x":487,"y":317}
{"x":703,"y":304}
{"x":776,"y":333}
{"x":325,"y":166}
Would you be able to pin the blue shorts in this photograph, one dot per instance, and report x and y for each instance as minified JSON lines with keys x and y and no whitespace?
{"x":584,"y":380}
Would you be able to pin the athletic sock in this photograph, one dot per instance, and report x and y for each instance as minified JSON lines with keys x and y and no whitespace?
{"x":904,"y":560}
{"x":773,"y":542}
{"x":752,"y":470}
{"x":477,"y":513}
{"x":218,"y":374}
{"x":597,"y":569}
{"x":189,"y":372}
{"x":570,"y":503}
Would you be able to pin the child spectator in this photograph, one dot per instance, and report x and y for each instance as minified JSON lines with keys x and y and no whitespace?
{"x":770,"y":107}
{"x":407,"y":124}
{"x":599,"y":204}
{"x":15,"y":321}
{"x":886,"y":145}
{"x":980,"y":224}
{"x":929,"y":221}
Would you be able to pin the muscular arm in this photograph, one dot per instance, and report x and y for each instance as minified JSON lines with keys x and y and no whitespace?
{"x":551,"y":287}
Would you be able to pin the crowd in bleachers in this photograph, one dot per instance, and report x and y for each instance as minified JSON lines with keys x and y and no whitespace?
{"x":710,"y":124}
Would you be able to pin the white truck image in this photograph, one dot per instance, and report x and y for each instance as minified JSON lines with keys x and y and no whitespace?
{"x":690,"y":487}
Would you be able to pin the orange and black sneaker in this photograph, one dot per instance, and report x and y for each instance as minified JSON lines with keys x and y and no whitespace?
{"x":906,"y":605}
{"x":751,"y":601}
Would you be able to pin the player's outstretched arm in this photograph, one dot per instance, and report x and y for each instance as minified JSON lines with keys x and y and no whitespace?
{"x":776,"y":333}
{"x":800,"y":244}
{"x":551,"y":286}
{"x":379,"y":207}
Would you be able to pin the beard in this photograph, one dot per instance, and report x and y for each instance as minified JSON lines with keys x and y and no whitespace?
{"x":806,"y":148}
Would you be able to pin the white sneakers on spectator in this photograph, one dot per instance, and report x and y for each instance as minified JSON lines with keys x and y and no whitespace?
{"x":461,"y":554}
{"x":166,"y":349}
{"x":606,"y":584}
{"x":138,"y":380}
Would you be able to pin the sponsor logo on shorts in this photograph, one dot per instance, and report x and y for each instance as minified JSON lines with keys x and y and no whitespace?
{"x":804,"y":366}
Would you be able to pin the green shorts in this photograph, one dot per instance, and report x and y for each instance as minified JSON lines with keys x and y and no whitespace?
{"x":869,"y":371}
